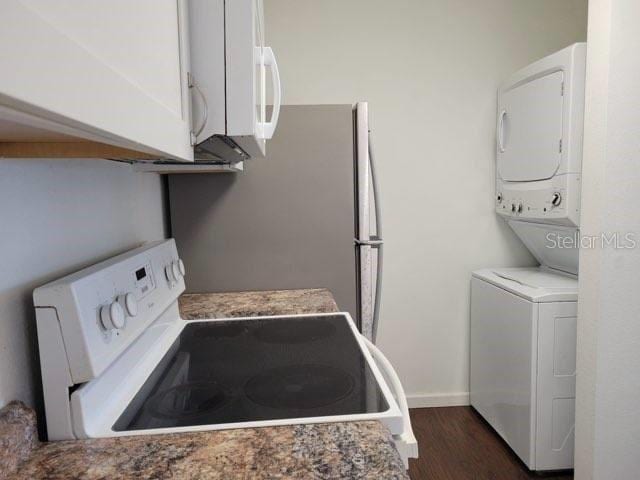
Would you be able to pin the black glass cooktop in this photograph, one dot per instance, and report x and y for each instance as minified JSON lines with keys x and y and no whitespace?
{"x":258,"y":369}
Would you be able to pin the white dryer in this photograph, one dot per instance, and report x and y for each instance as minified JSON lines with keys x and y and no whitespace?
{"x":539,"y":140}
{"x":523,"y":321}
{"x":523,"y":360}
{"x":539,"y":155}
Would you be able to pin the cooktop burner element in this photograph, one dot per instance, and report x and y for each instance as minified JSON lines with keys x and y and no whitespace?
{"x":282,"y":332}
{"x":299,"y":386}
{"x":188,"y":400}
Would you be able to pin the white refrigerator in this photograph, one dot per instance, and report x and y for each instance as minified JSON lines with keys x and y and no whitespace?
{"x":368,"y":241}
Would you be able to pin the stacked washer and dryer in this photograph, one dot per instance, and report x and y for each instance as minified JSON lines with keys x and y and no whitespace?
{"x":523,"y":320}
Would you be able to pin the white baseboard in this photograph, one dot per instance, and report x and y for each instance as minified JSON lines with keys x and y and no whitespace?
{"x":424,"y":400}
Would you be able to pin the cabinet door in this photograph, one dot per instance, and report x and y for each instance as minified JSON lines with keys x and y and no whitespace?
{"x":530,"y":129}
{"x":111,"y":72}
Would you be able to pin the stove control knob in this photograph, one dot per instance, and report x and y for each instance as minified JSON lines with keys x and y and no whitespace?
{"x":168,"y":273}
{"x":112,"y":316}
{"x":177,"y":266}
{"x":181,"y":267}
{"x":556,"y":199}
{"x":175,"y":270}
{"x":129,"y":304}
{"x":519,"y":208}
{"x":513,"y":207}
{"x":499,"y":198}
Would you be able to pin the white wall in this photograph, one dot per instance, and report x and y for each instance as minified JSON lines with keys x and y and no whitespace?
{"x":430,"y":70}
{"x":608,"y":381}
{"x":57,"y":216}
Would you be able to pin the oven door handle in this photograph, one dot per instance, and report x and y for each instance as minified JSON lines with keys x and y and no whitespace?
{"x":406,"y":442}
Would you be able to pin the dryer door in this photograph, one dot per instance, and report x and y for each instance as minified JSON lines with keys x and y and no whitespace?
{"x":530,"y":129}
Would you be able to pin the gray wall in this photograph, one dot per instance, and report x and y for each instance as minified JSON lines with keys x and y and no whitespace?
{"x":57,"y":216}
{"x":429,"y":70}
{"x":286,"y":222}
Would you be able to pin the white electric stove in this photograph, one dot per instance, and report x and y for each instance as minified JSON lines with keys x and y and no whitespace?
{"x":117,"y":360}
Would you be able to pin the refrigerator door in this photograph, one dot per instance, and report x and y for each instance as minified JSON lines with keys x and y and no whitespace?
{"x":365,"y":274}
{"x":368,"y":229}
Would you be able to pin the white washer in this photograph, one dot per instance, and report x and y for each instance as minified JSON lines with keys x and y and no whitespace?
{"x":523,"y":359}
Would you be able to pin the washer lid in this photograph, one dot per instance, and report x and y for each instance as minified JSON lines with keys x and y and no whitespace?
{"x":536,"y":284}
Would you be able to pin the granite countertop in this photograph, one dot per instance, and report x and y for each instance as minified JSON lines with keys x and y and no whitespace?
{"x":329,"y":451}
{"x":250,"y":304}
{"x":348,"y":450}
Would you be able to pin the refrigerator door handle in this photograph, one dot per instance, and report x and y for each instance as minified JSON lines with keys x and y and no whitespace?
{"x":372,"y":242}
{"x":377,"y":239}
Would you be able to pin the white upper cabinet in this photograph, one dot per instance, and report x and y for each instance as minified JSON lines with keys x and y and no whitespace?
{"x":109,"y":72}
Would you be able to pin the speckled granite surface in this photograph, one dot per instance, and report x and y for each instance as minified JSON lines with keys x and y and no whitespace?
{"x":18,"y":435}
{"x":349,"y":450}
{"x":250,"y":304}
{"x":359,"y":450}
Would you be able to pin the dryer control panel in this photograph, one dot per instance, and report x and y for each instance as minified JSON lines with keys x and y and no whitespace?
{"x":556,"y":200}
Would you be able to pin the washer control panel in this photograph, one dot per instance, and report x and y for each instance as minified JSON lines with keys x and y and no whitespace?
{"x":104,"y":308}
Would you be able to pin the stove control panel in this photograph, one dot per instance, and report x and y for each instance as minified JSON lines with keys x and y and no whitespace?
{"x":104,"y":308}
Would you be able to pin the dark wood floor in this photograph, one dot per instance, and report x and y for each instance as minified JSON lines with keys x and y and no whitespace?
{"x":457,"y":444}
